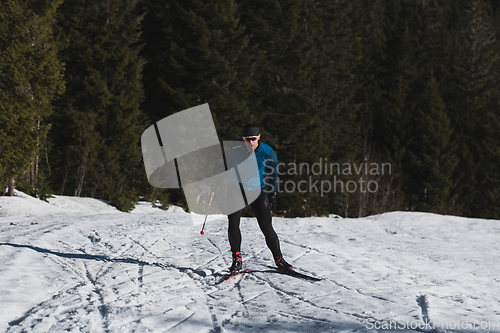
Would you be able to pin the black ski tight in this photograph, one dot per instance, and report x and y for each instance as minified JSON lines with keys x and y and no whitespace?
{"x":262,"y":211}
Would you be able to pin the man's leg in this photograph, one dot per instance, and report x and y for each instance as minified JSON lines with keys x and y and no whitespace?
{"x":234,"y":236}
{"x":233,"y":231}
{"x":263,"y":213}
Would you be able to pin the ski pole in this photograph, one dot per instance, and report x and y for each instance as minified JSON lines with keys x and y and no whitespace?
{"x":208,"y":209}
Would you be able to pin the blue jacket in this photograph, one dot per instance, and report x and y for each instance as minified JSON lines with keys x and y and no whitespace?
{"x":267,"y":163}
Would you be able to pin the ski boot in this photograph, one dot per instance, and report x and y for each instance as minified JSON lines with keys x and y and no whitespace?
{"x":282,"y":265}
{"x":237,"y":263}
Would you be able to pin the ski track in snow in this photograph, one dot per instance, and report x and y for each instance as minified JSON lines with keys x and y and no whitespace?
{"x":99,"y":270}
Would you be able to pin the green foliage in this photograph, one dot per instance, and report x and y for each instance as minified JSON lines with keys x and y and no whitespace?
{"x":30,"y":79}
{"x":472,"y":97}
{"x":197,"y":53}
{"x":431,"y":155}
{"x":122,"y":202}
{"x":410,"y":83}
{"x":98,"y":122}
{"x":306,"y":53}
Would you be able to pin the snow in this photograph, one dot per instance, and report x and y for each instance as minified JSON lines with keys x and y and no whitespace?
{"x":80,"y":265}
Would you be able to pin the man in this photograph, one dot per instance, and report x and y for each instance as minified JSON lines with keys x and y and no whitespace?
{"x":261,"y":206}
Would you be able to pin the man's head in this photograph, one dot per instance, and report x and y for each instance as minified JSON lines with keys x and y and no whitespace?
{"x":251,"y":136}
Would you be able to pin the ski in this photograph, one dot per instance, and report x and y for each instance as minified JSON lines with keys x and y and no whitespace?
{"x":297,"y":274}
{"x":231,"y":275}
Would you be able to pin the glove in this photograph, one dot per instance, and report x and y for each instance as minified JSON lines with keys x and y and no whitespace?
{"x":272,"y":200}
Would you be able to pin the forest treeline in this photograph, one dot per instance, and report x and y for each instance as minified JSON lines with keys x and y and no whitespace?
{"x":399,"y":96}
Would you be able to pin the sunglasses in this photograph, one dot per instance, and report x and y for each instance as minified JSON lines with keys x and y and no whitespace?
{"x":250,"y":138}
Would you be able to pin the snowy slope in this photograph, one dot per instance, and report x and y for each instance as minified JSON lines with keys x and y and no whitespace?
{"x":79,"y":265}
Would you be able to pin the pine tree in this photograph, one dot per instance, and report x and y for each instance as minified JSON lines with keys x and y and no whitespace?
{"x":490,"y":172}
{"x":30,"y":79}
{"x":473,"y":85}
{"x":431,"y":154}
{"x":375,"y":75}
{"x":197,"y":53}
{"x":306,"y":55}
{"x":285,"y":32}
{"x":407,"y":49}
{"x":99,"y":122}
{"x":397,"y":80}
{"x":429,"y":158}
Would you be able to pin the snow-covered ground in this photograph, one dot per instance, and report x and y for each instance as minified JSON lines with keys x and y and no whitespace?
{"x":79,"y":265}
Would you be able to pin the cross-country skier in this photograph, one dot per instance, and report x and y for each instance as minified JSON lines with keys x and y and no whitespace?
{"x":266,"y":160}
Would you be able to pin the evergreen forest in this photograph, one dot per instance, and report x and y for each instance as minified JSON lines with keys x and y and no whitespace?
{"x":371,"y":105}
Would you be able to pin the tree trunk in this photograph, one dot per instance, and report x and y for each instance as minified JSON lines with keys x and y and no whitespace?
{"x":10,"y":190}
